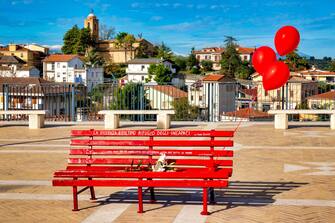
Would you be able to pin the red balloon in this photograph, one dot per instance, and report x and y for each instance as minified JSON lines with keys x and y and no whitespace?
{"x":276,"y":75}
{"x":262,"y":58}
{"x":286,"y":40}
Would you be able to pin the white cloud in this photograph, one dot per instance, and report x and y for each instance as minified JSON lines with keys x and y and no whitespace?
{"x":54,"y":47}
{"x":156,"y":18}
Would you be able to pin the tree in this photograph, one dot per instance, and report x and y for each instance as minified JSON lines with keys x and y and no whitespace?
{"x":244,"y":70}
{"x":231,"y":60}
{"x":192,"y":60}
{"x":106,"y":33}
{"x":332,"y":66}
{"x":92,"y":59}
{"x":206,"y":65}
{"x":116,"y":70}
{"x":180,"y":63}
{"x":183,"y":110}
{"x":126,"y":41}
{"x":77,"y":41}
{"x":296,"y":62}
{"x":163,"y":51}
{"x":161,"y":74}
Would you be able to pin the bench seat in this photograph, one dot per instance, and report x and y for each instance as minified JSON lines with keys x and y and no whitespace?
{"x":36,"y":117}
{"x":281,"y":116}
{"x":112,"y":117}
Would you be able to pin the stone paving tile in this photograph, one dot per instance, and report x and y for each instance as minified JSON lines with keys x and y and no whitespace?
{"x":258,"y":174}
{"x":41,"y":211}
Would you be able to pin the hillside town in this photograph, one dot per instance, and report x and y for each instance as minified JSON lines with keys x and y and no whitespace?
{"x":215,"y":83}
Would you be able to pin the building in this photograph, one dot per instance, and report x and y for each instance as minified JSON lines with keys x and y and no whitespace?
{"x":322,"y":101}
{"x":214,"y":54}
{"x":35,"y":93}
{"x":220,"y":95}
{"x":137,"y":70}
{"x":37,"y":48}
{"x":294,"y":93}
{"x":71,"y":69}
{"x":12,"y":66}
{"x":31,"y":56}
{"x":163,"y":96}
{"x":318,"y":75}
{"x":111,"y":50}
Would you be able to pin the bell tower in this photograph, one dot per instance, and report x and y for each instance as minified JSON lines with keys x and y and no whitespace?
{"x":92,"y":23}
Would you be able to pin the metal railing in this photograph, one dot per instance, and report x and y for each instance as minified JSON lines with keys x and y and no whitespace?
{"x":197,"y":101}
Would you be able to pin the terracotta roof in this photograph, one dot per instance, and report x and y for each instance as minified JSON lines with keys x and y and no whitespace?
{"x":213,"y":77}
{"x":245,"y":50}
{"x":60,"y":57}
{"x":18,"y":48}
{"x":248,"y":113}
{"x":208,"y":50}
{"x":252,"y":92}
{"x":330,"y":95}
{"x":170,"y":90}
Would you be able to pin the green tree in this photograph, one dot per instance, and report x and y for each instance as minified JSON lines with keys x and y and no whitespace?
{"x":192,"y":61}
{"x":332,"y":66}
{"x":93,"y":59}
{"x":296,"y":62}
{"x":163,"y":51}
{"x":161,"y":74}
{"x":183,"y":110}
{"x":129,"y":41}
{"x":116,"y":70}
{"x":121,"y":43}
{"x":77,"y":41}
{"x":231,"y":60}
{"x":206,"y":65}
{"x":180,"y":63}
{"x":244,"y":70}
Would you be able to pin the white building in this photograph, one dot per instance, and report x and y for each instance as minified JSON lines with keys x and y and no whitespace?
{"x":220,"y":94}
{"x":12,"y":66}
{"x":137,"y":70}
{"x":214,"y":54}
{"x":71,"y":69}
{"x":163,"y":96}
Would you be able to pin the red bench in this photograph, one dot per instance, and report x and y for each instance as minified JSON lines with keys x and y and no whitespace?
{"x":108,"y":157}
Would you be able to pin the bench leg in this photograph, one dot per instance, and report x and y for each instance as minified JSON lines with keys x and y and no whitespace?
{"x":204,"y":201}
{"x":332,"y":121}
{"x":281,"y":121}
{"x":92,"y":192}
{"x":75,"y":199}
{"x":211,"y":196}
{"x":140,"y":200}
{"x":36,"y":121}
{"x":152,"y":195}
{"x":112,"y":121}
{"x":163,"y":121}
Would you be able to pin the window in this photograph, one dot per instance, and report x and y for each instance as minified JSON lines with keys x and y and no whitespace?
{"x":53,"y":66}
{"x":200,"y":98}
{"x":64,"y":79}
{"x":75,"y":66}
{"x":58,"y":74}
{"x":209,"y":57}
{"x":142,"y":78}
{"x":266,"y":93}
{"x":142,"y":67}
{"x":216,"y":58}
{"x":245,"y":57}
{"x":291,"y":93}
{"x":206,"y":57}
{"x":191,"y":97}
{"x":64,"y":66}
{"x":266,"y":107}
{"x":21,"y":55}
{"x":58,"y":65}
{"x":198,"y":57}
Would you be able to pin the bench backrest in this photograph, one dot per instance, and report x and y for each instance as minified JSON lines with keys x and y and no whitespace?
{"x":118,"y":149}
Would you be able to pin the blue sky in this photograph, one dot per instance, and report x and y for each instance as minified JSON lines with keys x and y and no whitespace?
{"x":180,"y":24}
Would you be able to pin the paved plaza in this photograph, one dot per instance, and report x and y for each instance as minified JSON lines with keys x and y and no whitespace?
{"x":278,"y":176}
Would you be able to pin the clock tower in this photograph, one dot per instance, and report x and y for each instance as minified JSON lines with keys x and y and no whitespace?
{"x":92,"y":23}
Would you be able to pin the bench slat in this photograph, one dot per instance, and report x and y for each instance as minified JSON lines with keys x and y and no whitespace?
{"x":222,"y":173}
{"x":157,"y":133}
{"x":145,"y":161}
{"x":174,"y":143}
{"x":227,"y":153}
{"x":142,"y":183}
{"x":122,"y":168}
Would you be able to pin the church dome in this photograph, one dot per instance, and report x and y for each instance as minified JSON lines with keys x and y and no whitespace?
{"x":91,"y":15}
